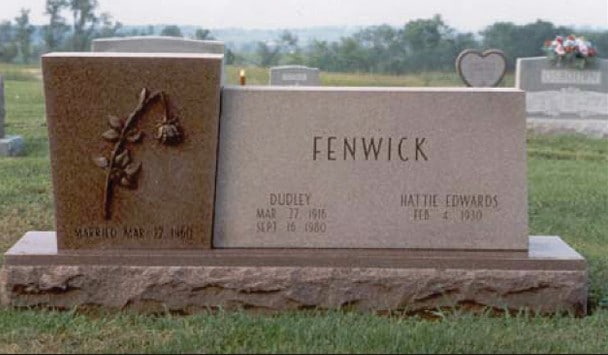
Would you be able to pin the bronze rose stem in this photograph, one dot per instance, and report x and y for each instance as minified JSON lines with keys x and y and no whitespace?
{"x":144,"y":101}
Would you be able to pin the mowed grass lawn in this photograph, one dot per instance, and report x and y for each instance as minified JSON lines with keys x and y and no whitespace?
{"x":568,"y":196}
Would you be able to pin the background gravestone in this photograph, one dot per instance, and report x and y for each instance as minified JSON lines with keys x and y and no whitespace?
{"x":558,"y":92}
{"x":2,"y":109}
{"x":157,"y":44}
{"x":481,"y":69}
{"x":9,"y":145}
{"x":294,"y":75}
{"x":142,"y":44}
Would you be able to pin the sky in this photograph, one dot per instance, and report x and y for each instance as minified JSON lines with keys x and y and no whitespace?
{"x":464,"y":15}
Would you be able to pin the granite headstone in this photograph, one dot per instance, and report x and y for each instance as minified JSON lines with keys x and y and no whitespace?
{"x":481,"y":69}
{"x":133,"y":139}
{"x":2,"y":109}
{"x":143,"y":44}
{"x":559,"y":92}
{"x":12,"y":145}
{"x":157,"y":44}
{"x":294,"y":75}
{"x":372,"y":168}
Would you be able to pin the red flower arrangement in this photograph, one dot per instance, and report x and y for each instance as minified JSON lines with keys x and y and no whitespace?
{"x":573,"y":52}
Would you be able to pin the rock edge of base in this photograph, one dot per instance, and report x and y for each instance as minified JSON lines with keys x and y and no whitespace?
{"x":192,"y":288}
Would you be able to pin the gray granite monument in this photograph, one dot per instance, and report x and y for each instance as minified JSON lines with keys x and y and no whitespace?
{"x":294,"y":75}
{"x":9,"y":145}
{"x":481,"y":69}
{"x":557,"y":92}
{"x":142,"y":44}
{"x":373,"y":169}
{"x":158,"y":44}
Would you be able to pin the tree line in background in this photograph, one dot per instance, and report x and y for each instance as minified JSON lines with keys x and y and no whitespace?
{"x":420,"y":45}
{"x":87,"y":24}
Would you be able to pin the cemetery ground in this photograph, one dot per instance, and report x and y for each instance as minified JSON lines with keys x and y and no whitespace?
{"x":568,"y":196}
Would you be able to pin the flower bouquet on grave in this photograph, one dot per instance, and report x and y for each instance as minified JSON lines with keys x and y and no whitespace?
{"x":574,"y":52}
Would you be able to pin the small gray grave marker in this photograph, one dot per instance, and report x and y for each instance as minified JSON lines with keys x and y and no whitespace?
{"x":2,"y":110}
{"x":9,"y":145}
{"x":294,"y":75}
{"x":481,"y":69}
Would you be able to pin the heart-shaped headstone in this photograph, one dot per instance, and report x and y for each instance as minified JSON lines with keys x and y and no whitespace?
{"x":479,"y":69}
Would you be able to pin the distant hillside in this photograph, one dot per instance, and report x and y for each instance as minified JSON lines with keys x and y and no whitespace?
{"x":242,"y":39}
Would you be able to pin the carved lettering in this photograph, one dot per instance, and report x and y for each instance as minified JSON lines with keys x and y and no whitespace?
{"x":369,"y":148}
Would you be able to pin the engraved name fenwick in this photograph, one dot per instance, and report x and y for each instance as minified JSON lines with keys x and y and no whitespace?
{"x":369,"y":148}
{"x":121,"y":170}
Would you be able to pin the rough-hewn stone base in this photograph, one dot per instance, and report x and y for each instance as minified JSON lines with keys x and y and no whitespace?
{"x":561,"y":286}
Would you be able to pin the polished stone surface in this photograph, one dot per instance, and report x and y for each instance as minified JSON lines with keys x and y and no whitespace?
{"x":133,"y":142}
{"x":322,"y":167}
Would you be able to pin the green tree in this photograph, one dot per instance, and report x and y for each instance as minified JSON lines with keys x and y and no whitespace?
{"x":599,"y":41}
{"x":386,"y":53}
{"x":520,"y":41}
{"x":23,"y":35}
{"x":147,"y":31}
{"x":320,"y":55}
{"x":108,"y":27}
{"x":203,"y":34}
{"x":54,"y":33}
{"x":172,"y":31}
{"x":85,"y":21}
{"x":423,"y":34}
{"x":424,"y":41}
{"x":268,"y":54}
{"x":352,"y":56}
{"x":230,"y":57}
{"x":291,"y":52}
{"x":8,"y":48}
{"x":284,"y":47}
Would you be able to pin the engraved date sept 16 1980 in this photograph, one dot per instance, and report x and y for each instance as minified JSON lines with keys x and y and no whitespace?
{"x":291,"y":212}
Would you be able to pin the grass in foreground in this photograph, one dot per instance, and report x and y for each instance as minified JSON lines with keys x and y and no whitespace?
{"x":567,"y":179}
{"x":260,"y":76}
{"x":303,"y":332}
